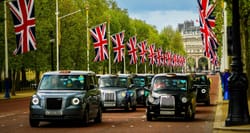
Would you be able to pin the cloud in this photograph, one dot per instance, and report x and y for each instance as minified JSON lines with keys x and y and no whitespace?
{"x":161,"y":19}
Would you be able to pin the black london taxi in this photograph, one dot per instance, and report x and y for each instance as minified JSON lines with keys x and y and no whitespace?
{"x":117,"y":92}
{"x":141,"y":83}
{"x":171,"y":96}
{"x":66,"y":95}
{"x":202,"y":84}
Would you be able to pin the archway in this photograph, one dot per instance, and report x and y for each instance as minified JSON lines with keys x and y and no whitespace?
{"x":203,"y":64}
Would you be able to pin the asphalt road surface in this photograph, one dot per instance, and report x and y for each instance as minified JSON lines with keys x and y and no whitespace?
{"x":14,"y":118}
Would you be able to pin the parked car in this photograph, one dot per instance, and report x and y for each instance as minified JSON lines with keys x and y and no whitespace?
{"x":202,"y":84}
{"x":117,"y":92}
{"x":171,"y":96}
{"x":141,"y":83}
{"x":66,"y":95}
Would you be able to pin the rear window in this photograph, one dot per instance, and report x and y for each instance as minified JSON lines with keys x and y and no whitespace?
{"x":139,"y":81}
{"x":62,"y":82}
{"x":172,"y":84}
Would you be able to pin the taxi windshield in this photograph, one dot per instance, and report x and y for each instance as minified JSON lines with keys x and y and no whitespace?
{"x":139,"y":81}
{"x":62,"y":82}
{"x":108,"y":82}
{"x":112,"y":82}
{"x":171,"y":84}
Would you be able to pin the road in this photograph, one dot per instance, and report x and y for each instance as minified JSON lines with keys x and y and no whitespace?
{"x":14,"y":119}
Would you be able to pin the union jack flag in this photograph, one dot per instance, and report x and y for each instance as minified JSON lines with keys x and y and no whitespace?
{"x":159,"y":57}
{"x":100,"y":42}
{"x":24,"y":23}
{"x":164,"y":58}
{"x":143,"y":50}
{"x":132,"y":50}
{"x":169,"y":58}
{"x":151,"y":55}
{"x":207,"y":22}
{"x":118,"y":46}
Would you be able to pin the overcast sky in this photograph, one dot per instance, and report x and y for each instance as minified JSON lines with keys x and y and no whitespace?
{"x":161,"y":13}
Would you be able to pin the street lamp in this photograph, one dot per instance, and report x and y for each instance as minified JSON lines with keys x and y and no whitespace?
{"x":57,"y":32}
{"x":52,"y":40}
{"x":238,"y":113}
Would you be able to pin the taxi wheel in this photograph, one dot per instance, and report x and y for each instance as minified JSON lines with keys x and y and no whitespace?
{"x":86,"y":117}
{"x":190,"y":113}
{"x":34,"y":123}
{"x":98,"y":118}
{"x":149,"y":117}
{"x":128,"y":106}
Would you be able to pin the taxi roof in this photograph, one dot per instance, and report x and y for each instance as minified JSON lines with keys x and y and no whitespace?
{"x":69,"y":72}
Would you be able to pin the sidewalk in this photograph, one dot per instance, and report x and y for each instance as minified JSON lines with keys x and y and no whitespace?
{"x":19,"y":94}
{"x":221,"y":115}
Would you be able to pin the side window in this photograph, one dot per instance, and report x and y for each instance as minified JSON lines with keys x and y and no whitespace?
{"x":92,"y":80}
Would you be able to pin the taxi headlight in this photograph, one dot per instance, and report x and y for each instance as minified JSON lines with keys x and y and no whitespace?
{"x":203,"y":90}
{"x":75,"y":101}
{"x":142,"y":92}
{"x":123,"y":94}
{"x":151,"y":99}
{"x":184,"y":100}
{"x":35,"y":101}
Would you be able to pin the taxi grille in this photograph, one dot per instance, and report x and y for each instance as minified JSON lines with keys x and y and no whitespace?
{"x":167,"y":102}
{"x":109,"y":96}
{"x":54,"y":103}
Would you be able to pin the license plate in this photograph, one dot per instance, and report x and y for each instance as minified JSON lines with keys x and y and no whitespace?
{"x":109,"y":104}
{"x":53,"y":112}
{"x":167,"y":112}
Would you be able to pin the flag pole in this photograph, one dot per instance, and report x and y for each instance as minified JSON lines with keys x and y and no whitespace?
{"x":124,"y":61}
{"x":57,"y":37}
{"x":7,"y":81}
{"x":109,"y":47}
{"x":6,"y":41}
{"x":87,"y":28}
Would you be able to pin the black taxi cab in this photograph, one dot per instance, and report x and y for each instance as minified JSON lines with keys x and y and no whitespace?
{"x":141,"y":83}
{"x":202,"y":85}
{"x":171,"y":96}
{"x":117,"y":92}
{"x":66,"y":95}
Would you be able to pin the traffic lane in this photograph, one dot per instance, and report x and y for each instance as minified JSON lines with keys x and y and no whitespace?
{"x":114,"y":121}
{"x":13,"y":105}
{"x":16,"y":120}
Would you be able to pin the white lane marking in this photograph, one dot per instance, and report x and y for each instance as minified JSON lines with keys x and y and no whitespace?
{"x":6,"y":115}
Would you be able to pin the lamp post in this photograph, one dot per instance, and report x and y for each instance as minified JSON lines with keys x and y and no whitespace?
{"x":238,"y":113}
{"x":52,"y":40}
{"x":57,"y":31}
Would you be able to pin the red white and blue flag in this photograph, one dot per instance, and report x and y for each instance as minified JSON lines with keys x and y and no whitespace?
{"x":100,"y":42}
{"x":143,"y":50}
{"x":159,"y":57}
{"x":207,"y":22}
{"x":131,"y":45}
{"x":24,"y":22}
{"x":118,"y":46}
{"x":151,"y":55}
{"x":169,"y":58}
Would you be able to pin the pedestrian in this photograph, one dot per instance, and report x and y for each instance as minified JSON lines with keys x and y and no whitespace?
{"x":225,"y":84}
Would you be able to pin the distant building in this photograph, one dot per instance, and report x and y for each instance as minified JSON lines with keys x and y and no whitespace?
{"x":194,"y":48}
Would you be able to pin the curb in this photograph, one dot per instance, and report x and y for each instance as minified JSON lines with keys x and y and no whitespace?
{"x":221,"y":115}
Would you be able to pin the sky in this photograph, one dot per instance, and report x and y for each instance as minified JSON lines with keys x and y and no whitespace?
{"x":161,"y":13}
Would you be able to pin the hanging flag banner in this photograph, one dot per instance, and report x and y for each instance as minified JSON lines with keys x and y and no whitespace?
{"x":131,"y":45}
{"x":207,"y":22}
{"x":151,"y":55}
{"x":142,"y":50}
{"x":118,"y":46}
{"x":100,"y":42}
{"x":24,"y":24}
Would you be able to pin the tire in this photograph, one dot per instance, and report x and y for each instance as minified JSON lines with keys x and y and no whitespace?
{"x":86,"y":118}
{"x":34,"y":123}
{"x":98,"y":118}
{"x":207,"y":102}
{"x":190,"y":113}
{"x":149,"y":117}
{"x":128,"y":106}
